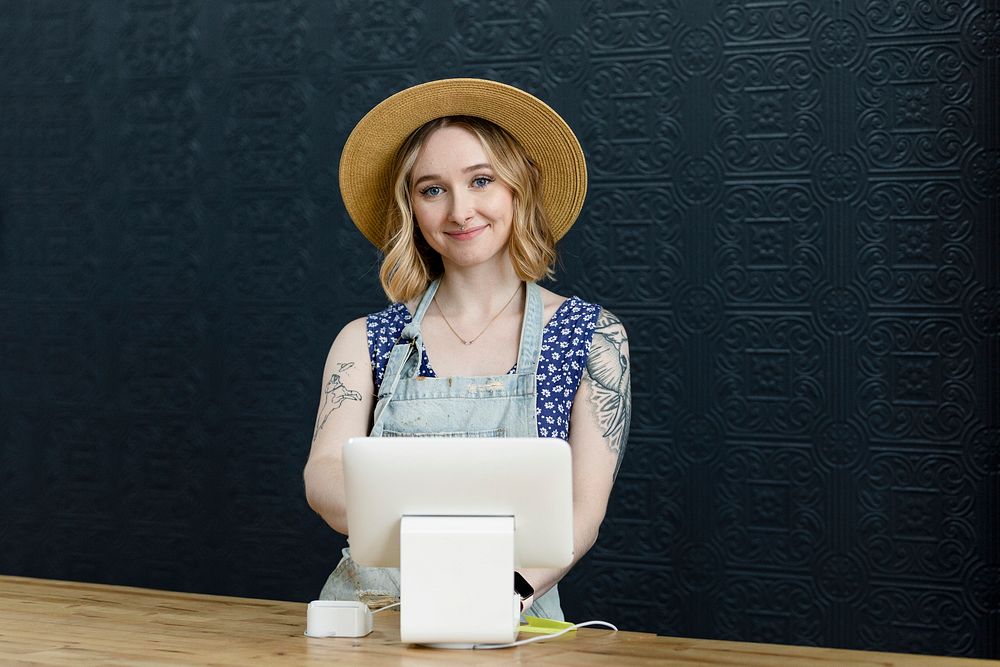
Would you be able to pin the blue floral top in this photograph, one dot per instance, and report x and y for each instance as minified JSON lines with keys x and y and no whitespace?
{"x":566,"y":343}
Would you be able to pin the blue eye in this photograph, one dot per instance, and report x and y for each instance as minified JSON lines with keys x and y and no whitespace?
{"x":432,"y":191}
{"x":481,"y":181}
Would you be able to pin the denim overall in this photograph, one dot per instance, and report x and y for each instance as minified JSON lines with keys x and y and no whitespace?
{"x":486,"y":406}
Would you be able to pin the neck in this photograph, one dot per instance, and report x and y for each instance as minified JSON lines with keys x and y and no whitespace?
{"x":479,"y":289}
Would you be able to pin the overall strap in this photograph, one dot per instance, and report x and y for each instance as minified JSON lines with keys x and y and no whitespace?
{"x":408,"y":347}
{"x":531,"y":330}
{"x":410,"y":338}
{"x":425,"y":303}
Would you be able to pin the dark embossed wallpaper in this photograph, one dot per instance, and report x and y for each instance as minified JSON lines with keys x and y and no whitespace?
{"x":794,"y":208}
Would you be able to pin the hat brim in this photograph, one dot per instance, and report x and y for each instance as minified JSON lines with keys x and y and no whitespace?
{"x":366,"y":162}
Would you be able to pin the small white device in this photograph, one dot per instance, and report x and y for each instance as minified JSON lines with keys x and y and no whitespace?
{"x":336,"y":618}
{"x":458,"y":516}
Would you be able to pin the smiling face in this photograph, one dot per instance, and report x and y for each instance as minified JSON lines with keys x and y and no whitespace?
{"x":453,"y":185}
{"x":474,"y":164}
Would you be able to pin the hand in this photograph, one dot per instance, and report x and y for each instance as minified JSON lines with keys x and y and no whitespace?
{"x":527,"y":602}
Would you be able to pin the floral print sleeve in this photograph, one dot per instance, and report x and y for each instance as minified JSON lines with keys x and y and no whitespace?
{"x":566,"y":343}
{"x":384,"y":328}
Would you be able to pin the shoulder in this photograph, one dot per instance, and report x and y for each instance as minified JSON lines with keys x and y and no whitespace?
{"x":383,"y":327}
{"x":352,"y":337}
{"x":551,"y":300}
{"x":609,"y":334}
{"x":365,"y":332}
{"x":568,"y":310}
{"x":389,"y":316}
{"x":608,"y":321}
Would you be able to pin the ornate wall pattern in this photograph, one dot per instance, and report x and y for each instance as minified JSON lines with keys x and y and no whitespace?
{"x":793,"y":208}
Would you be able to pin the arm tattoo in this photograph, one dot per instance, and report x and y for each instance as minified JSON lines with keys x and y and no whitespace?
{"x":334,"y":396}
{"x":610,"y":378}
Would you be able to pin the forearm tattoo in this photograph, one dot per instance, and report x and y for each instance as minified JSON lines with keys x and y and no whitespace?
{"x":610,"y":380}
{"x":334,"y":396}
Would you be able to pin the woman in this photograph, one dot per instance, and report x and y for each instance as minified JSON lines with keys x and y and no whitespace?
{"x":465,"y":185}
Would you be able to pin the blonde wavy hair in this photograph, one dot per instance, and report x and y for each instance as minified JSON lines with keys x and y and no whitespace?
{"x":410,"y":264}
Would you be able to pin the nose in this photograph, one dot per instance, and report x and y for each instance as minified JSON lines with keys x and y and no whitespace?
{"x":461,"y":208}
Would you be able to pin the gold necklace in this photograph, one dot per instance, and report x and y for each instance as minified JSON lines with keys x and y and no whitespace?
{"x":492,"y":320}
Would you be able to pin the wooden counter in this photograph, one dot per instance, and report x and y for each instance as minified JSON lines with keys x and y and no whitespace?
{"x":46,"y":622}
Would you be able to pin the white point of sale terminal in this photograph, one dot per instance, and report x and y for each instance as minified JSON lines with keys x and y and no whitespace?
{"x":458,"y":515}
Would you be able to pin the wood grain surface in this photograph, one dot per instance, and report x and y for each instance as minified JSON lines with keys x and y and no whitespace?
{"x":44,"y":622}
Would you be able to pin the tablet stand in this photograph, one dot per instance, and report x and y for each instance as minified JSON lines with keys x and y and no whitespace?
{"x":456,"y":580}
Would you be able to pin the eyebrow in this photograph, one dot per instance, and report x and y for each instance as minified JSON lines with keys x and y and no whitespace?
{"x":435,"y":177}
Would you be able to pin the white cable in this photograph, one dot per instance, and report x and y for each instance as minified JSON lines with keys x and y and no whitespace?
{"x":541,"y":638}
{"x":389,"y":606}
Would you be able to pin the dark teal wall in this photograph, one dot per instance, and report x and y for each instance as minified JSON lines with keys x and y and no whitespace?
{"x":794,"y":208}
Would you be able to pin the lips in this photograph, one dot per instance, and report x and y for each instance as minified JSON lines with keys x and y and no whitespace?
{"x":468,"y":234}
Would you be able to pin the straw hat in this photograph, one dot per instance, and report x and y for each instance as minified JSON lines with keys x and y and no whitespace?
{"x":366,"y":162}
